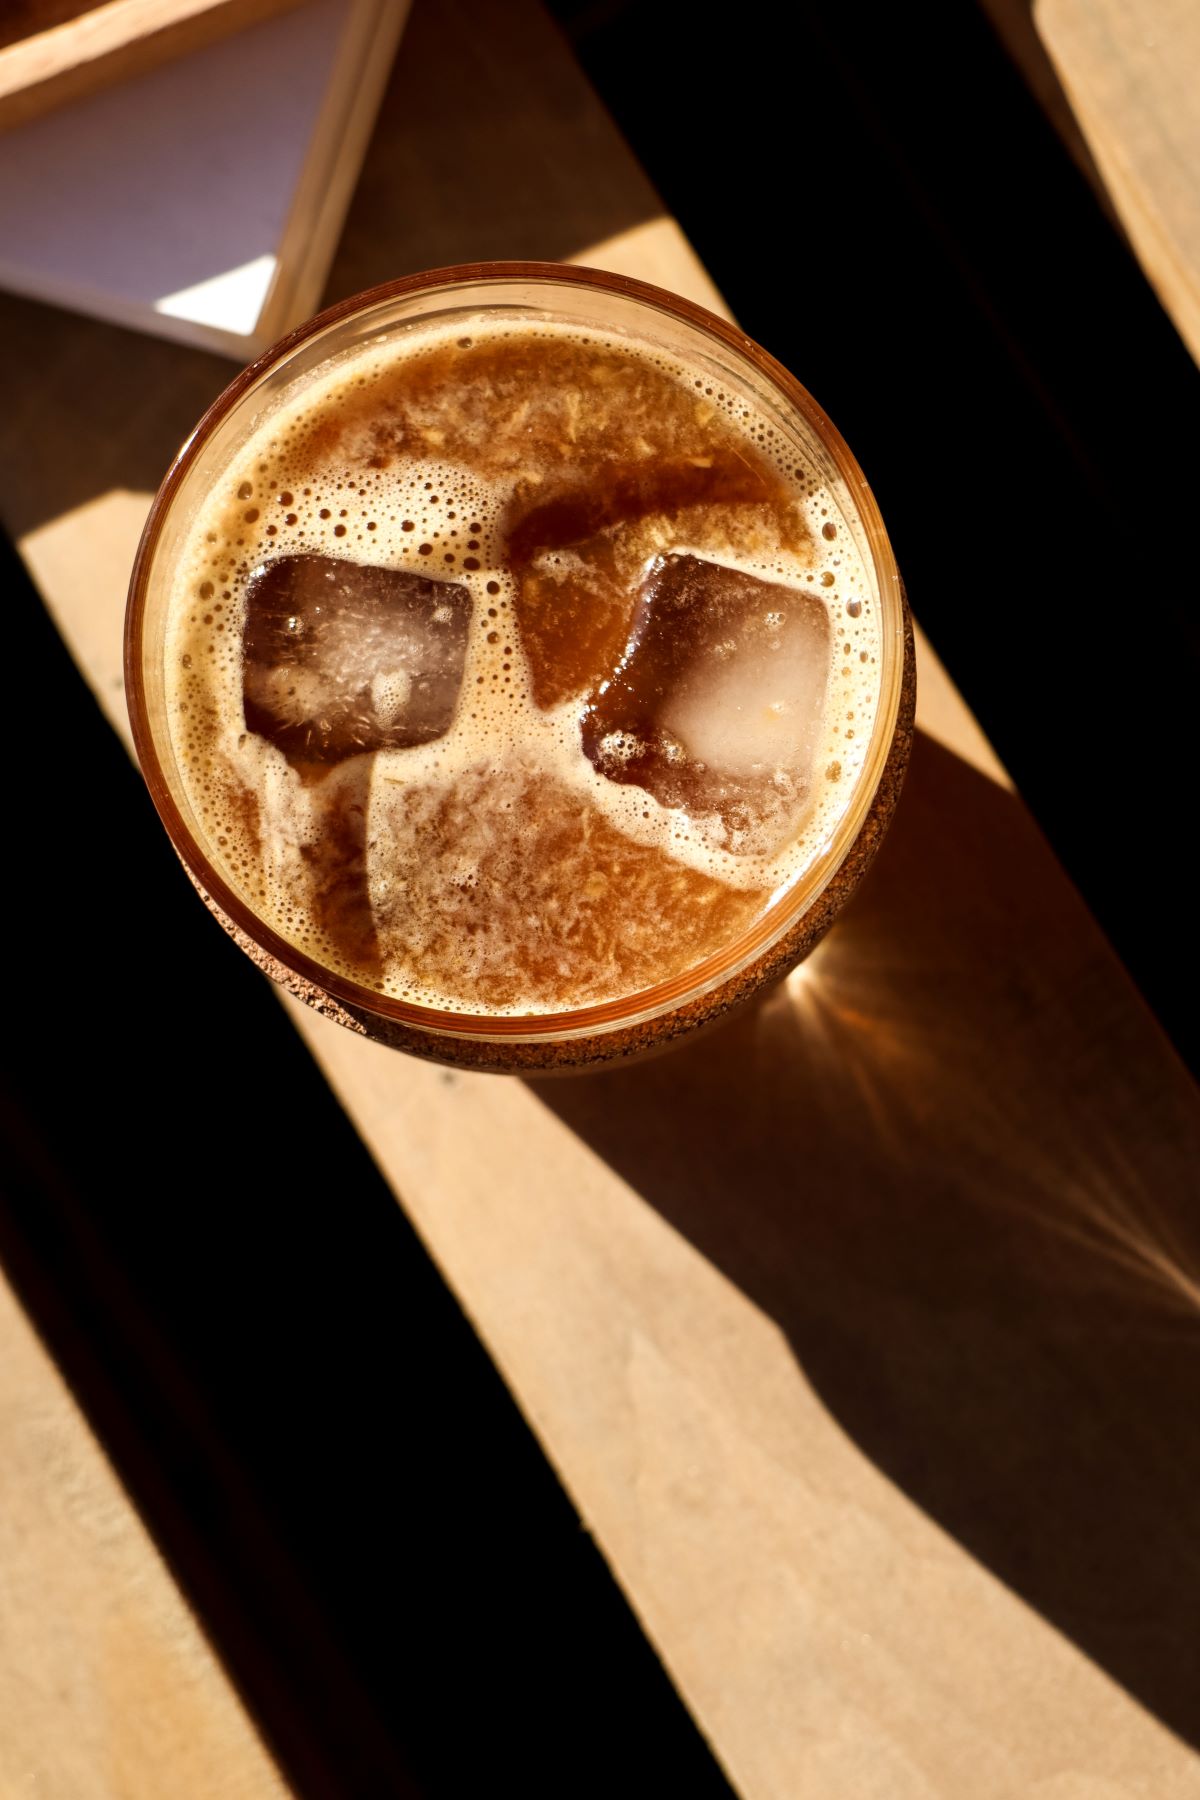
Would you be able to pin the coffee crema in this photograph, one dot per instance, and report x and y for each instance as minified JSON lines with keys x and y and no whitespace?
{"x":513,"y":667}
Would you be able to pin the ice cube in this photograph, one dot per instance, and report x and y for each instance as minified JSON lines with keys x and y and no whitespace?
{"x":577,"y":549}
{"x":340,"y":657}
{"x":716,"y":705}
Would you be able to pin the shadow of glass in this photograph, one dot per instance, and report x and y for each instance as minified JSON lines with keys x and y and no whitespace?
{"x":954,"y":1160}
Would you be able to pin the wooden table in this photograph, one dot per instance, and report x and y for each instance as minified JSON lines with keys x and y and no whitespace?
{"x":804,"y":1315}
{"x":1121,"y":81}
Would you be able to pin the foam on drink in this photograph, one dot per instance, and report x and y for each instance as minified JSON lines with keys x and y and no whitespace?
{"x":427,"y":711}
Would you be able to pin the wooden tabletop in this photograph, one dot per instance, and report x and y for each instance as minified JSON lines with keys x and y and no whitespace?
{"x":842,"y":1326}
{"x":1120,"y":79}
{"x":1131,"y":71}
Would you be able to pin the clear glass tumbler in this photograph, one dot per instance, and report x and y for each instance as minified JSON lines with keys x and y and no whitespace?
{"x":629,"y":1024}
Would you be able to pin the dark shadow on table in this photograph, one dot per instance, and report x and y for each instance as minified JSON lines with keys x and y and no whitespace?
{"x":293,"y":1399}
{"x":955,"y":1161}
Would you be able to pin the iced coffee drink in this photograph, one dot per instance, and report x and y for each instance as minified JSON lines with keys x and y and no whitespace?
{"x":519,"y":665}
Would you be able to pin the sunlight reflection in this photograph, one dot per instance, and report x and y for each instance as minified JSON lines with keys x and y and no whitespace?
{"x":1107,"y":1209}
{"x":836,"y":992}
{"x":840,"y":1034}
{"x":949,"y":1085}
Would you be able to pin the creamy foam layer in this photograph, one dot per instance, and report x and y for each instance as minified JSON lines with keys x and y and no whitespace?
{"x":543,"y":469}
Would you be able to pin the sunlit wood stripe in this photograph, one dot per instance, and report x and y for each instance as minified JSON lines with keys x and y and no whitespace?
{"x":107,"y":1687}
{"x":1129,"y":68}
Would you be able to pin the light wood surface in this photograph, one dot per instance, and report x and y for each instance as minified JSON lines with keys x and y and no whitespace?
{"x":1131,"y":69}
{"x":103,"y":44}
{"x":861,"y":1332}
{"x":107,"y":1688}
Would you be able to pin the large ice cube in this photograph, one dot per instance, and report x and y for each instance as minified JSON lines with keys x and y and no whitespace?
{"x":578,"y":547}
{"x":340,"y":657}
{"x":716,"y":705}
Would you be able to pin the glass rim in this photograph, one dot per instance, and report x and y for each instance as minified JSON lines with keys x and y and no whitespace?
{"x":647,"y":1003}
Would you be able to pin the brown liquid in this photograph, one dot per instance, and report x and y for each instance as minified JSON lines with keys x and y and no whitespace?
{"x":581,"y":911}
{"x":506,"y":885}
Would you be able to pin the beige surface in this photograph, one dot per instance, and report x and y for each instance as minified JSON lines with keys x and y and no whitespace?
{"x":107,"y":1688}
{"x":861,"y":1332}
{"x":110,"y":43}
{"x":1131,"y":69}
